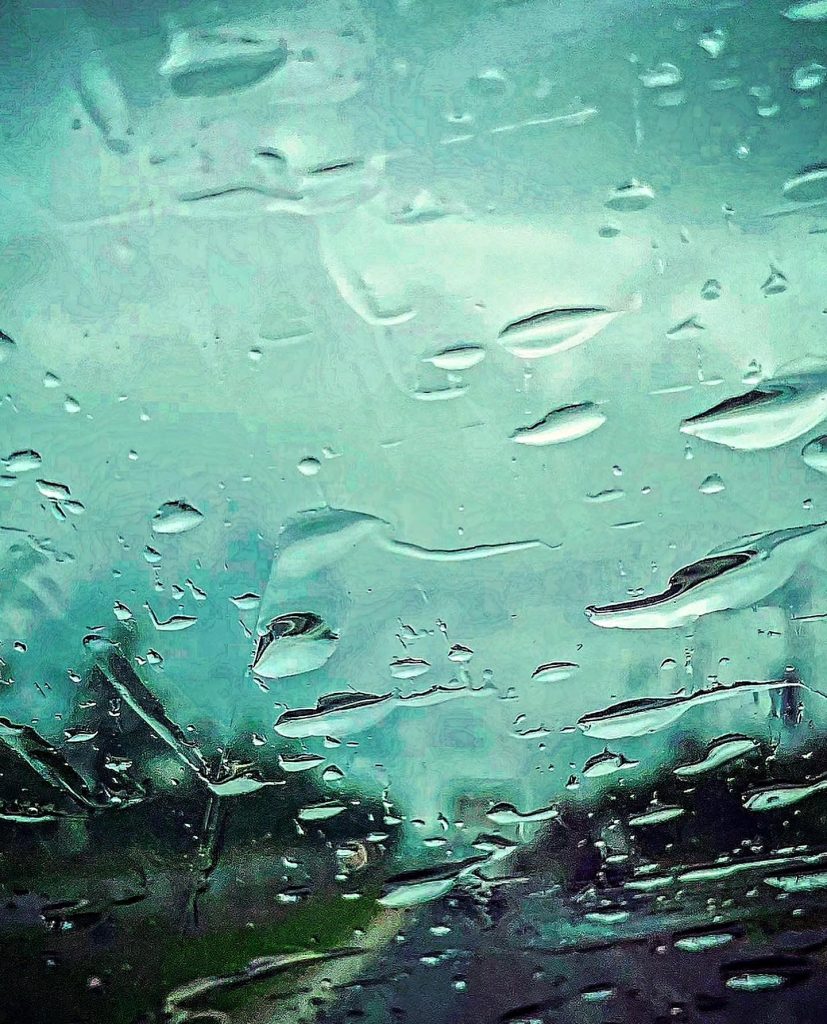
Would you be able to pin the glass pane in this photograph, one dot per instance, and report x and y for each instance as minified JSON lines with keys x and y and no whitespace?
{"x":412,"y":553}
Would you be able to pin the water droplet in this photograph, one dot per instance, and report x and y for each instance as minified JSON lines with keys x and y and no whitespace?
{"x":176,"y":517}
{"x":670,"y":98}
{"x":633,"y":196}
{"x":293,"y":644}
{"x":601,"y":497}
{"x":152,"y":556}
{"x":321,"y":811}
{"x":645,"y":715}
{"x":662,"y":76}
{"x":507,"y":814}
{"x":607,"y":763}
{"x":309,"y":466}
{"x":713,"y":41}
{"x":712,"y":484}
{"x":700,"y":942}
{"x":458,"y":357}
{"x":554,"y":671}
{"x":490,"y":82}
{"x":685,"y":329}
{"x":809,"y":185}
{"x":778,"y":410}
{"x":408,"y":668}
{"x":808,"y":77}
{"x":50,"y":489}
{"x":23,"y":460}
{"x":299,"y":762}
{"x":719,"y":752}
{"x":174,"y":624}
{"x":460,"y":654}
{"x":439,"y":394}
{"x":554,"y":330}
{"x":753,"y":373}
{"x":810,"y":10}
{"x":775,"y":284}
{"x":711,"y":289}
{"x":732,"y":576}
{"x":755,"y":981}
{"x":814,"y":454}
{"x":564,"y":424}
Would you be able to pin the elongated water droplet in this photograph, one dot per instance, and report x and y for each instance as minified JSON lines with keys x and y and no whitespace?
{"x":662,"y":76}
{"x":23,"y":461}
{"x":631,"y":197}
{"x":176,"y":517}
{"x":564,"y":424}
{"x":810,"y":10}
{"x":458,"y":357}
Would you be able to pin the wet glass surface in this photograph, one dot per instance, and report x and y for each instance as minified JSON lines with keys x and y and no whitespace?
{"x":413,"y":567}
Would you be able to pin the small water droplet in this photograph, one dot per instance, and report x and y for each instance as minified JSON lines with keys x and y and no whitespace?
{"x":712,"y":484}
{"x":713,"y":41}
{"x":176,"y":517}
{"x":662,"y":76}
{"x":775,"y":284}
{"x":808,"y":77}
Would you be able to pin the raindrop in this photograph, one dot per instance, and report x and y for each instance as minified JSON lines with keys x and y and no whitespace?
{"x":809,"y":185}
{"x":633,"y":196}
{"x":176,"y":517}
{"x":458,"y":357}
{"x":564,"y":424}
{"x":810,"y":10}
{"x":731,"y":576}
{"x":712,"y":484}
{"x":814,"y":454}
{"x":554,"y":671}
{"x":408,"y":668}
{"x":713,"y":41}
{"x":662,"y":76}
{"x":50,"y":489}
{"x":460,"y":654}
{"x":22,"y":461}
{"x":775,"y":284}
{"x":554,"y":330}
{"x":293,"y":644}
{"x":808,"y":77}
